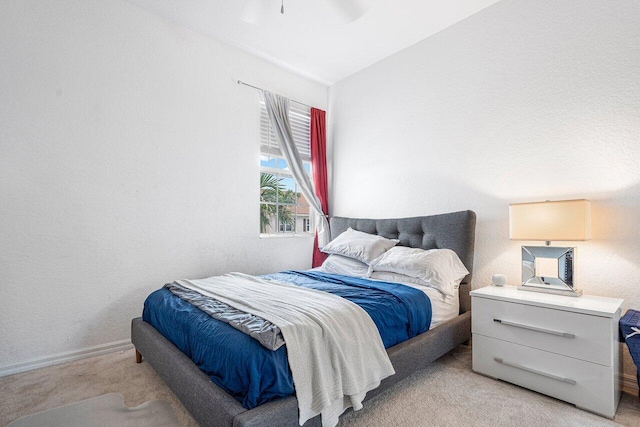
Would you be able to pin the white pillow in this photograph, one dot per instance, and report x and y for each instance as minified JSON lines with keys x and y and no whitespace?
{"x":397,"y":278}
{"x":386,"y":276}
{"x":338,"y":264}
{"x":364,"y":247}
{"x":438,"y":268}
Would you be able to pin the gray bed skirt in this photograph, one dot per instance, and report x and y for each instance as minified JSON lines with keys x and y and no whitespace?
{"x":212,"y":406}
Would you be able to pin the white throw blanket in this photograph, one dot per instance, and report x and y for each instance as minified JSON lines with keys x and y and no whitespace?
{"x":335,"y":352}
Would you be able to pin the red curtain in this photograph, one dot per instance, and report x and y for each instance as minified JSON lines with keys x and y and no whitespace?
{"x":319,"y":167}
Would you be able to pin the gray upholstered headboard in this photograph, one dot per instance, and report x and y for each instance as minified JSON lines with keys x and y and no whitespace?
{"x":455,"y":231}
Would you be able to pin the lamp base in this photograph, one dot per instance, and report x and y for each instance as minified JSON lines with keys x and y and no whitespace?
{"x":555,"y":291}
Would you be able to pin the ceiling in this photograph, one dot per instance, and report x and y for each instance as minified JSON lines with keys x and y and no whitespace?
{"x":314,"y":38}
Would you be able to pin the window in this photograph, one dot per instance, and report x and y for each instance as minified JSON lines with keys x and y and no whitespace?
{"x":286,"y":227}
{"x":283,"y":208}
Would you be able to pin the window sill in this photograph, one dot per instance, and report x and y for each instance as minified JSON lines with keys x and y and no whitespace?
{"x":284,"y":236}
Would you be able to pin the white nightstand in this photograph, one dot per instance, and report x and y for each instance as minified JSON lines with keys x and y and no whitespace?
{"x":564,"y":347}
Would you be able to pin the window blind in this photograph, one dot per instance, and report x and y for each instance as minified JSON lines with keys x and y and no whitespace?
{"x":300,"y":119}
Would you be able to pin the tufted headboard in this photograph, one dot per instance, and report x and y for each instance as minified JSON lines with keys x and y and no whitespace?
{"x":455,"y":231}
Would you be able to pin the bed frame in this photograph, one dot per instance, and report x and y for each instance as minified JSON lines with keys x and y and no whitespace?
{"x":212,"y":406}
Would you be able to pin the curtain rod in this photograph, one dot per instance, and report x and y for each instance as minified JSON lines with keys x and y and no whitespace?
{"x":240,"y":82}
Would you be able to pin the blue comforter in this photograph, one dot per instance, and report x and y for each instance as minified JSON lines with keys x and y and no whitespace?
{"x":255,"y":375}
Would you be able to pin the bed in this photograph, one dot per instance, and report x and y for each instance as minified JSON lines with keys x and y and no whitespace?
{"x":212,"y":406}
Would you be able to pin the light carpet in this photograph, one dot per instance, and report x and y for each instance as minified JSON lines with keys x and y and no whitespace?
{"x":107,"y":410}
{"x":447,"y":393}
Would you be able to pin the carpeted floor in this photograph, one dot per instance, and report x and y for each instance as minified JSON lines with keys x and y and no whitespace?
{"x":107,"y":410}
{"x":447,"y":393}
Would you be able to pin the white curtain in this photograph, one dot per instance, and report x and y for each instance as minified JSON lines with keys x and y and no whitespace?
{"x":278,"y":110}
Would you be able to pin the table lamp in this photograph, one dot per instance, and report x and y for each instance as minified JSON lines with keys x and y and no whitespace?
{"x":547,"y":268}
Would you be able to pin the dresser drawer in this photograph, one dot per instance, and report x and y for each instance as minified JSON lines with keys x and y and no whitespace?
{"x":580,"y":336}
{"x":587,"y":385}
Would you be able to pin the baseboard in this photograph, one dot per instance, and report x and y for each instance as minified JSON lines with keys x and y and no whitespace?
{"x":55,"y":359}
{"x":629,"y":384}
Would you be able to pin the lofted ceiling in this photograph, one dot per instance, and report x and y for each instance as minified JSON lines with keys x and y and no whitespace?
{"x":325,"y":40}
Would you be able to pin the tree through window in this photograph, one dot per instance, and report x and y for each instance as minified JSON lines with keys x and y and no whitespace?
{"x":283,"y":208}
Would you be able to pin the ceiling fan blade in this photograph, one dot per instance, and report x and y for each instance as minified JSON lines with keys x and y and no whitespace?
{"x":261,"y":12}
{"x":350,"y":10}
{"x":257,"y":11}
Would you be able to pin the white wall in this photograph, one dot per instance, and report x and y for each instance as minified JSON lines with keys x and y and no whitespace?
{"x":524,"y":101}
{"x":128,"y":158}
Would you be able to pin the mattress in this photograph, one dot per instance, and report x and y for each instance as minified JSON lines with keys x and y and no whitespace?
{"x":443,"y":307}
{"x":254,"y":375}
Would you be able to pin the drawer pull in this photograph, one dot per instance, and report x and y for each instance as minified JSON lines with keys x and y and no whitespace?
{"x":535,"y":371}
{"x":535,"y":328}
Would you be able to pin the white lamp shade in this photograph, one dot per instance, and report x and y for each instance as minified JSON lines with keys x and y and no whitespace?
{"x":560,"y":220}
